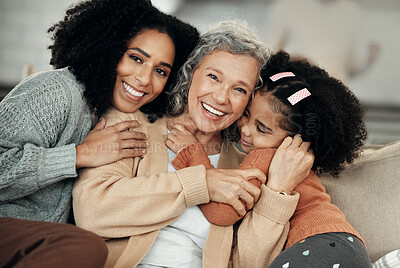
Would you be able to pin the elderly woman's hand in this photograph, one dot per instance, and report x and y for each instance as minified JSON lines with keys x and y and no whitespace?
{"x":229,"y":185}
{"x":104,"y":145}
{"x":291,"y":164}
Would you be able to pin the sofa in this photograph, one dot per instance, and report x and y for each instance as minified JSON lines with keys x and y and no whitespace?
{"x":368,"y":192}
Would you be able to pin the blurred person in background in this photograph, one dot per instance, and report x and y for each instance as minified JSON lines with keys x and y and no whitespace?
{"x":327,"y":32}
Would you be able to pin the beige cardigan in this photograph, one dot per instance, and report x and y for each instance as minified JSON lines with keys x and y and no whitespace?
{"x":129,"y":201}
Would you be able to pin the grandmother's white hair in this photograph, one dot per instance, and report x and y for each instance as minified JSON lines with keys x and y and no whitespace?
{"x":233,"y":36}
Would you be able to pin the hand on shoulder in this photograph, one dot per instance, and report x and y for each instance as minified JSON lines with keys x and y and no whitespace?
{"x":104,"y":145}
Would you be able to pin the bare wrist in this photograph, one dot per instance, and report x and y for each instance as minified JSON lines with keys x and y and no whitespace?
{"x":281,"y":190}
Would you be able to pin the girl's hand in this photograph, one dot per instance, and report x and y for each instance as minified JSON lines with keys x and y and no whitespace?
{"x":104,"y":145}
{"x":179,"y":137}
{"x":183,"y":120}
{"x":290,"y":165}
{"x":229,"y":185}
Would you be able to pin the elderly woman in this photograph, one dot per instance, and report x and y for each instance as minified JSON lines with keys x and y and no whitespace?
{"x":148,"y":212}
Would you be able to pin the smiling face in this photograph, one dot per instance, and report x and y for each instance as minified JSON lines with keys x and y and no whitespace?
{"x":220,"y":90}
{"x":259,"y":125}
{"x":143,"y":70}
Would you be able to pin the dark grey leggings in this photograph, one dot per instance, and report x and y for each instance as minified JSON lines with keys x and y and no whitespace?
{"x":333,"y":250}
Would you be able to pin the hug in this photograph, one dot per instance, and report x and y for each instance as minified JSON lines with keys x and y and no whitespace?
{"x":150,"y":145}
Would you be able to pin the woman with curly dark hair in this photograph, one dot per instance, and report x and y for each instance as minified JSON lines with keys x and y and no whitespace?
{"x":107,"y":53}
{"x":304,"y":102}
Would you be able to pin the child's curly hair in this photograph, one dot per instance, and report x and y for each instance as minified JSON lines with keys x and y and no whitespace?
{"x":331,"y":118}
{"x":93,"y":36}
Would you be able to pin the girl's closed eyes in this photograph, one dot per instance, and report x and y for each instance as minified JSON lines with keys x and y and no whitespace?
{"x":260,"y":125}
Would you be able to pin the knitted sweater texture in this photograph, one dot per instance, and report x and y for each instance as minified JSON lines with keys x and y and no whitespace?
{"x":127,"y":202}
{"x":220,"y":213}
{"x":41,"y":121}
{"x":314,"y":214}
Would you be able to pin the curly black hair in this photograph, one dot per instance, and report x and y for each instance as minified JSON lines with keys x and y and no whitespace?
{"x":93,"y":36}
{"x":331,"y":118}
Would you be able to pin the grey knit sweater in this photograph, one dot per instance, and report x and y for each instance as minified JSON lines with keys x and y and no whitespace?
{"x":41,"y":121}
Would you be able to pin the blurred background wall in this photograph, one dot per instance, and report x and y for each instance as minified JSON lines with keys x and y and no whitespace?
{"x":24,"y":41}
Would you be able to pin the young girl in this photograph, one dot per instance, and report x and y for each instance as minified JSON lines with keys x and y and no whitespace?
{"x":303,"y":101}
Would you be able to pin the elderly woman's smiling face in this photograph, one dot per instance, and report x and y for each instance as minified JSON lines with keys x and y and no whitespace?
{"x":220,"y":90}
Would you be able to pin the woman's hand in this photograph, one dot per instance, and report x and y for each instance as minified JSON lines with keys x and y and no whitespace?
{"x":179,"y":137}
{"x":290,"y":165}
{"x":229,"y":185}
{"x":104,"y":145}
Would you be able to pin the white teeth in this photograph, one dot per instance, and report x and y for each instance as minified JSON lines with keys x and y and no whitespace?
{"x":132,"y":91}
{"x":212,"y":110}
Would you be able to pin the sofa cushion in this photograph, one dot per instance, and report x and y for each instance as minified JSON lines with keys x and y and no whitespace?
{"x":368,"y":192}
